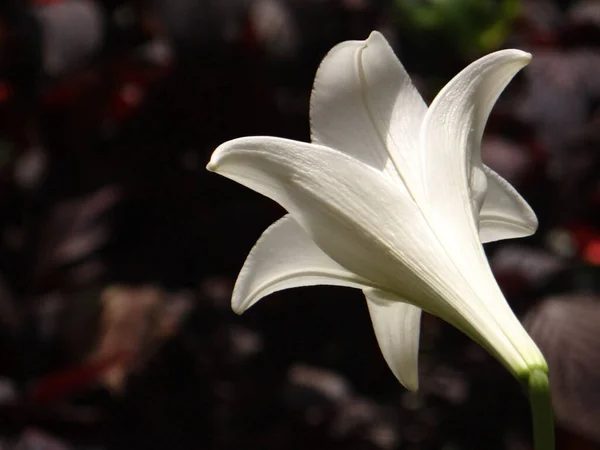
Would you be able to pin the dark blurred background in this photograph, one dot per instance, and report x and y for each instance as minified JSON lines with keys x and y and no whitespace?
{"x":118,"y":250}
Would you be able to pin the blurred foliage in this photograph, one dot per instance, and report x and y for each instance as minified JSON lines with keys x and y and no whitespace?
{"x":469,"y":26}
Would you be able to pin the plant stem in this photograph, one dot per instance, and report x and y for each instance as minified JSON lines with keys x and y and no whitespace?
{"x":541,"y":410}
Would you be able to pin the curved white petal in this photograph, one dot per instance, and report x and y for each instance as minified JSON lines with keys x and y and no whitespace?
{"x":504,"y":213}
{"x":354,"y":214}
{"x":361,"y":220}
{"x":285,"y":257}
{"x":364,"y":104}
{"x":455,"y":182}
{"x":397,"y":327}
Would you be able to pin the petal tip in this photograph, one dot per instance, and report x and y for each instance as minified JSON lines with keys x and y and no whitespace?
{"x":375,"y":35}
{"x":519,"y":55}
{"x":525,"y":56}
{"x":238,"y":306}
{"x":238,"y":309}
{"x":377,"y":39}
{"x":412,"y":386}
{"x":213,"y":164}
{"x":507,"y":57}
{"x":534,"y":223}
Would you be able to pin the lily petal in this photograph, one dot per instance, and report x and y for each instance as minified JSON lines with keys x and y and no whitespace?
{"x":285,"y":257}
{"x":397,"y":327}
{"x":455,"y":181}
{"x":337,"y":200}
{"x":504,"y":213}
{"x":361,"y":220}
{"x":364,"y":104}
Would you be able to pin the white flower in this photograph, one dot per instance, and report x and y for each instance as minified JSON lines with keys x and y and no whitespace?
{"x":391,"y":197}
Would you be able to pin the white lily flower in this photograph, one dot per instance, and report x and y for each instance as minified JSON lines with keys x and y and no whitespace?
{"x":391,"y":197}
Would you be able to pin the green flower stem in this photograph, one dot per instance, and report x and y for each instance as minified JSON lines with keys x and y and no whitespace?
{"x":541,"y":410}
